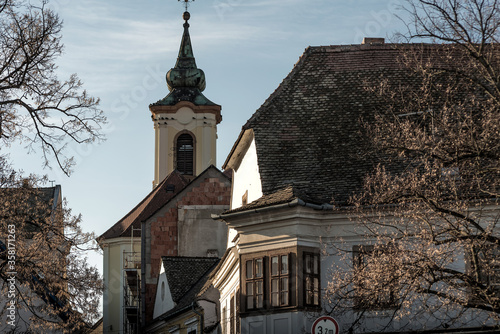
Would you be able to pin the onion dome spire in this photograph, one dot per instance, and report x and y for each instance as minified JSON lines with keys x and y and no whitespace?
{"x":185,"y":81}
{"x":185,"y":73}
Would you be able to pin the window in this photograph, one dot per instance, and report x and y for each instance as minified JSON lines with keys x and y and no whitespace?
{"x":224,"y":320}
{"x":486,"y":270}
{"x":270,"y":279}
{"x":374,"y":286}
{"x":254,"y":283}
{"x":280,"y":280}
{"x":184,"y":154}
{"x":231,"y":316}
{"x":31,"y":229}
{"x":193,"y":331}
{"x":311,"y":279}
{"x":238,"y":322}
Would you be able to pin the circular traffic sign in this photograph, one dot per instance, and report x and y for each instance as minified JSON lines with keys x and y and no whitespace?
{"x":325,"y":325}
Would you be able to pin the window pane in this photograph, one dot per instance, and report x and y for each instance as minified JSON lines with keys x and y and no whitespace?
{"x":258,"y":268}
{"x":249,"y":302}
{"x":315,"y":264}
{"x":274,"y":266}
{"x":284,"y":284}
{"x":284,"y":298}
{"x":259,"y":287}
{"x":249,"y":269}
{"x":260,"y":301}
{"x":316,"y":291}
{"x":309,"y":288}
{"x":275,"y":285}
{"x":274,"y":299}
{"x":284,"y":264}
{"x":309,"y":298}
{"x":249,"y":289}
{"x":250,"y":295}
{"x":308,"y":264}
{"x":284,"y":291}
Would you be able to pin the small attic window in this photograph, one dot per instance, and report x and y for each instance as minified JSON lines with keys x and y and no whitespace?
{"x":170,"y":188}
{"x":212,"y":253}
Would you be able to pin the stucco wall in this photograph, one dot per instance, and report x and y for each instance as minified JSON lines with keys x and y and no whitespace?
{"x":247,"y":178}
{"x":113,"y":280}
{"x":199,"y":233}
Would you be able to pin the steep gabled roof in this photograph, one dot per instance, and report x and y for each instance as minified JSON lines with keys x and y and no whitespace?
{"x":187,"y":278}
{"x":308,"y":133}
{"x":165,"y":192}
{"x":156,"y":199}
{"x":183,"y":273}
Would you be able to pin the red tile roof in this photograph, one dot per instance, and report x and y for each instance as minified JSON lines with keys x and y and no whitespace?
{"x":148,"y":206}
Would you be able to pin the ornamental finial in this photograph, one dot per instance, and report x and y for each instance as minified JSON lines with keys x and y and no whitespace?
{"x":186,"y":3}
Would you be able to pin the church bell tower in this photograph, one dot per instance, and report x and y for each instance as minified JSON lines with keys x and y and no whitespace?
{"x":185,"y":121}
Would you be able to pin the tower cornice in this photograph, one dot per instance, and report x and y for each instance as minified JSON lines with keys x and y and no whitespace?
{"x":165,"y":109}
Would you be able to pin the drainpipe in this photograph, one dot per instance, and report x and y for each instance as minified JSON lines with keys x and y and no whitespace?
{"x":202,"y":325}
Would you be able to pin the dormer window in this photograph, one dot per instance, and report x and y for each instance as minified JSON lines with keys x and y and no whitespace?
{"x":185,"y":150}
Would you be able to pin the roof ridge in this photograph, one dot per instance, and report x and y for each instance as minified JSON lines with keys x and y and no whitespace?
{"x":186,"y":185}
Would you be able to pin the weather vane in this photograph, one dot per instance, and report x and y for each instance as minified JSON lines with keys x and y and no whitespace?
{"x":186,"y":3}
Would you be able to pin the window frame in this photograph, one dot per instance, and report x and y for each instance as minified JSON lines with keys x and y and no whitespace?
{"x":185,"y":161}
{"x":362,"y":302}
{"x":489,"y":277}
{"x":296,"y":280}
{"x":312,"y":276}
{"x":224,"y":320}
{"x":254,"y":280}
{"x":279,"y":277}
{"x":232,"y":315}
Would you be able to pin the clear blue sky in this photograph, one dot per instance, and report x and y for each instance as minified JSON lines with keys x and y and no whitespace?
{"x":123,"y":49}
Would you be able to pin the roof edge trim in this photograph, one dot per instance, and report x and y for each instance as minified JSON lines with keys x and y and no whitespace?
{"x":293,"y":203}
{"x":238,"y":150}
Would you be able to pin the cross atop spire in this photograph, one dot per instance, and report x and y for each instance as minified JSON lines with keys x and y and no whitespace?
{"x":186,"y":3}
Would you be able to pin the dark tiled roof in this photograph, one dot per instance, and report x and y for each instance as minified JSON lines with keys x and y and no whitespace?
{"x":188,"y":278}
{"x":184,"y":273}
{"x":148,"y":206}
{"x":49,"y":196}
{"x":285,"y":195}
{"x":308,"y":132}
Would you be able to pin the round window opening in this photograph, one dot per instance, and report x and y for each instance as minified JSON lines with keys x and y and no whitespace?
{"x":162,"y":290}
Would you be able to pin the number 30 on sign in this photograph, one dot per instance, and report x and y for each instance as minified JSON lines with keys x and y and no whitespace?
{"x":325,"y":325}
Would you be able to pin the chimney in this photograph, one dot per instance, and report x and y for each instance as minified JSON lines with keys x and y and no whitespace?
{"x":373,"y":40}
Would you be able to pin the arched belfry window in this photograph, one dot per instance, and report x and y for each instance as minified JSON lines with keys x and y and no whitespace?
{"x":184,"y":150}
